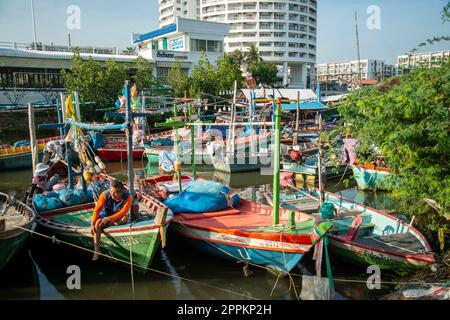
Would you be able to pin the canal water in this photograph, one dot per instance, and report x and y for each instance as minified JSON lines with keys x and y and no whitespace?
{"x":178,"y":272}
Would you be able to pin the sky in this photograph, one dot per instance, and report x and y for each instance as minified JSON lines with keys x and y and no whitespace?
{"x":400,"y":26}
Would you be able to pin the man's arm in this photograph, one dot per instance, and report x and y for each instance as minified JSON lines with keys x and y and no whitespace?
{"x":122,"y":212}
{"x":99,"y":207}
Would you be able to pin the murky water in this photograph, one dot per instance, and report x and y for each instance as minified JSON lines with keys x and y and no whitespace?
{"x":40,"y":270}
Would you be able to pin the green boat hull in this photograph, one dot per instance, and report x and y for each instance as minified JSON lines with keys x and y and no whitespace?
{"x":9,"y":247}
{"x":134,"y":243}
{"x":368,"y":179}
{"x":367,"y":257}
{"x":16,"y":161}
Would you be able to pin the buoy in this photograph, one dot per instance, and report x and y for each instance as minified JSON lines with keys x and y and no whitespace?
{"x":101,"y":165}
{"x":97,"y":159}
{"x":97,"y":169}
{"x":89,"y":163}
{"x":177,"y":166}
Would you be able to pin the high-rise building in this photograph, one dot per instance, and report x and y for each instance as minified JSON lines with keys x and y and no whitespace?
{"x":284,"y":31}
{"x":430,"y":59}
{"x":170,"y":9}
{"x":348,"y":72}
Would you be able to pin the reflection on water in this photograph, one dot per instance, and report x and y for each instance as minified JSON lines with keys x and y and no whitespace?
{"x":39,"y":271}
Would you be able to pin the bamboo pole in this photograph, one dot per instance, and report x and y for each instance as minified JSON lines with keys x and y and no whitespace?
{"x":297,"y":119}
{"x":129,"y":120}
{"x":32,"y":127}
{"x":276,"y":166}
{"x":177,"y":151}
{"x":193,"y":164}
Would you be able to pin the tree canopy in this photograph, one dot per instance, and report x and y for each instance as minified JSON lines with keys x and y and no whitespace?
{"x":408,"y":119}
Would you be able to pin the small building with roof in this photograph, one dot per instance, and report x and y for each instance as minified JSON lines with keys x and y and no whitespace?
{"x":181,"y":41}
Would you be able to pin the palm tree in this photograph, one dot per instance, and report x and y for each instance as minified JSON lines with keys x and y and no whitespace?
{"x":238,"y":57}
{"x":252,"y":57}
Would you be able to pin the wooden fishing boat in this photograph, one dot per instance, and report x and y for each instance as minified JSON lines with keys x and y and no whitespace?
{"x":370,"y":178}
{"x":309,"y":168}
{"x":134,"y":242}
{"x":115,"y":149}
{"x":363,"y":235}
{"x":12,"y":158}
{"x":163,"y":186}
{"x":15,"y":220}
{"x":246,"y":233}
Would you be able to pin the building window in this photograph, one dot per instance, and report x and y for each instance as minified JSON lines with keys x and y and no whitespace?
{"x":206,"y":45}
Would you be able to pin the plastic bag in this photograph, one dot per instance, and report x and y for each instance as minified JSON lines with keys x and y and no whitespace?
{"x":72,"y":197}
{"x":48,"y":202}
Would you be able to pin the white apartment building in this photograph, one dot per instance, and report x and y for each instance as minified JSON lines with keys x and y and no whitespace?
{"x":284,"y":31}
{"x":406,"y":62}
{"x":170,"y":9}
{"x":348,"y":72}
{"x":181,"y":41}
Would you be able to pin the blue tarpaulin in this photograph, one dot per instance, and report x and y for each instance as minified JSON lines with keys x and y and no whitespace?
{"x":95,"y":127}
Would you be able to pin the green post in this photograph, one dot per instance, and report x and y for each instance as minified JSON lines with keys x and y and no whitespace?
{"x":276,"y":166}
{"x":177,"y":147}
{"x":194,"y":168}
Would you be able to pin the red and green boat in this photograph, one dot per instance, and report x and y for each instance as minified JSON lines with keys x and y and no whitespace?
{"x":363,"y":235}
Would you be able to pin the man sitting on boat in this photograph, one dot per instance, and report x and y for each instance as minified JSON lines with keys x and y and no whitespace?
{"x":112,"y":208}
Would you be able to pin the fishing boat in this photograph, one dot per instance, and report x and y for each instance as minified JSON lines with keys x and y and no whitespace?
{"x":163,"y":186}
{"x":246,"y":233}
{"x":363,"y":235}
{"x":12,"y":158}
{"x":134,"y":242}
{"x":115,"y":149}
{"x":369,"y":177}
{"x":309,"y":167}
{"x":16,"y":220}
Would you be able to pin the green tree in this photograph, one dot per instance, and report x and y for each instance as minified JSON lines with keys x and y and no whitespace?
{"x":144,"y":73}
{"x":94,"y":83}
{"x":178,"y":80}
{"x":228,"y":72}
{"x":203,"y":79}
{"x":252,"y":57}
{"x":265,"y":73}
{"x":408,"y":119}
{"x":238,"y":57}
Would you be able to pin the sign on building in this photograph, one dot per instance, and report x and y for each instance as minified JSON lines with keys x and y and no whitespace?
{"x":177,"y":44}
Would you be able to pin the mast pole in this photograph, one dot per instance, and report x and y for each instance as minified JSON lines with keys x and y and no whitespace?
{"x":175,"y":114}
{"x":297,"y":119}
{"x":31,"y":124}
{"x":319,"y":163}
{"x":191,"y":128}
{"x":358,"y":48}
{"x":276,"y":166}
{"x":129,"y":120}
{"x":34,"y":24}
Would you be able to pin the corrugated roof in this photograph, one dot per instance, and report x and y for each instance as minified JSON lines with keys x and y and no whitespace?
{"x":305,"y":94}
{"x":156,"y":33}
{"x":307,"y":105}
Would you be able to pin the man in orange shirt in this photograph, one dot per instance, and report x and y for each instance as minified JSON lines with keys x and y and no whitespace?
{"x":112,"y":208}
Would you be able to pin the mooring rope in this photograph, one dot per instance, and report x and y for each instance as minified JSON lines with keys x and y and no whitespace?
{"x":54,"y":239}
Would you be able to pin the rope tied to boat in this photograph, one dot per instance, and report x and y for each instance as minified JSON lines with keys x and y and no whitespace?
{"x":145,"y":268}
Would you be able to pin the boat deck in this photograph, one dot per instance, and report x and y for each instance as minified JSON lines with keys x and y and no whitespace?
{"x":13,"y":218}
{"x":405,"y":243}
{"x":247,"y":216}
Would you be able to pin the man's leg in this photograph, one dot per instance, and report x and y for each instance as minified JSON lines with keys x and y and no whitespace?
{"x":98,"y":233}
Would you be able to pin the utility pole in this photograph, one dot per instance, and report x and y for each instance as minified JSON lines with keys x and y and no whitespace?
{"x":358,"y":48}
{"x":70,"y":44}
{"x":34,"y":24}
